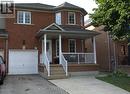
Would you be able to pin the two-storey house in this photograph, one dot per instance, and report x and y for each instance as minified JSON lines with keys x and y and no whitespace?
{"x":43,"y":38}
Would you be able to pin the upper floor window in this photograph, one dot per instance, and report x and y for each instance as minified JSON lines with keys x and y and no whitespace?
{"x":72,"y":45}
{"x":71,"y":18}
{"x":58,"y":18}
{"x":81,"y":20}
{"x":23,"y":17}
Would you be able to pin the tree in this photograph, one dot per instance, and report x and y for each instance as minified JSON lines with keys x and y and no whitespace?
{"x":115,"y":16}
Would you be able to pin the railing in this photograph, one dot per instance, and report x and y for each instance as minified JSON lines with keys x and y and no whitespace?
{"x":47,"y":64}
{"x":80,"y":58}
{"x":64,"y":63}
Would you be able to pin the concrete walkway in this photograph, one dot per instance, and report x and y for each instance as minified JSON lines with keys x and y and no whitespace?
{"x":29,"y":84}
{"x":87,"y":85}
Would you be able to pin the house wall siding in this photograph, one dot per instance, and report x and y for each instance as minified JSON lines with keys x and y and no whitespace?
{"x":53,"y":50}
{"x":78,"y":45}
{"x":3,"y":47}
{"x":102,"y":51}
{"x":2,"y":43}
{"x":64,"y":17}
{"x":20,"y":32}
{"x":80,"y":68}
{"x":105,"y":50}
{"x":121,"y":58}
{"x":65,"y":47}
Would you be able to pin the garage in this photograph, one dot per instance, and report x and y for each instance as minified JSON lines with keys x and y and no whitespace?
{"x":23,"y":61}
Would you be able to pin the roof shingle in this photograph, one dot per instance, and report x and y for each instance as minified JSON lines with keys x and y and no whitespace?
{"x":39,"y":6}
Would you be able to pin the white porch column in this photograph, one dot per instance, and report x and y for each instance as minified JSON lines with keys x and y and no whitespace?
{"x":44,"y":47}
{"x":42,"y":51}
{"x":94,"y":50}
{"x":60,"y":49}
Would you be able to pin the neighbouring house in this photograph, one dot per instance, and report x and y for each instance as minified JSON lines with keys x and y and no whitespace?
{"x":46,"y":39}
{"x":109,"y":51}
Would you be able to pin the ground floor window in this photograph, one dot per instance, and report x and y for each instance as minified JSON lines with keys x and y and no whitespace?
{"x":72,"y":45}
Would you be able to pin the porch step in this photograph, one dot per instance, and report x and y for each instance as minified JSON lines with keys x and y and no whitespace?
{"x":56,"y":72}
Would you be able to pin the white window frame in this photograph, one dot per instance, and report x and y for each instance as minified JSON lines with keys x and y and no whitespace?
{"x":58,"y":18}
{"x":24,"y":19}
{"x":69,"y":44}
{"x":82,"y":19}
{"x":74,"y":18}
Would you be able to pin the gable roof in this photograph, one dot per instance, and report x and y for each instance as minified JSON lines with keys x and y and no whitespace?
{"x":72,"y":27}
{"x":67,"y":5}
{"x":37,"y":6}
{"x":53,"y":26}
{"x":67,"y":30}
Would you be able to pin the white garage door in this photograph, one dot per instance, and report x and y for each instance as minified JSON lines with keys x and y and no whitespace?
{"x":23,"y":62}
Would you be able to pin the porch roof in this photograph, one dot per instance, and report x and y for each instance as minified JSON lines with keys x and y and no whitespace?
{"x":67,"y":31}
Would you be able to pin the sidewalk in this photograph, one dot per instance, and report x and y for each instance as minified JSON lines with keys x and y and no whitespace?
{"x":87,"y":85}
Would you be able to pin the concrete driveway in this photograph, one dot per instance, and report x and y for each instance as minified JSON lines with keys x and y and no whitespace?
{"x":87,"y":85}
{"x":29,"y":84}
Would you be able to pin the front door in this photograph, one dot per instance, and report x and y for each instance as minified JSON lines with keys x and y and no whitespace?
{"x":49,"y":50}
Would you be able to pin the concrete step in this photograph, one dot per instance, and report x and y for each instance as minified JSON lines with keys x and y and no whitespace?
{"x":57,"y":77}
{"x":56,"y":72}
{"x":56,"y":69}
{"x":55,"y":65}
{"x":52,"y":77}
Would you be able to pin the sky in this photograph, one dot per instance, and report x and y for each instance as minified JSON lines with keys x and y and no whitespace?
{"x":88,"y":5}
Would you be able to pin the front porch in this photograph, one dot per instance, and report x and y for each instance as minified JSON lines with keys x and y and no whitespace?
{"x":67,"y":48}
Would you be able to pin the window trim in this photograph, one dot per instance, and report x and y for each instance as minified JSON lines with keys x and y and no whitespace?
{"x":24,"y":12}
{"x":74,"y":18}
{"x":59,"y":23}
{"x":81,"y":20}
{"x":69,"y":44}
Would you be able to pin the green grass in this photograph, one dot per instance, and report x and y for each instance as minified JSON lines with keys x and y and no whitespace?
{"x":122,"y":82}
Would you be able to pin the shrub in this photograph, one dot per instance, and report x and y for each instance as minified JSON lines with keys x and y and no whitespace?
{"x":118,"y":73}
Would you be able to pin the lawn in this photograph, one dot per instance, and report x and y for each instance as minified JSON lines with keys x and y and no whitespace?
{"x":122,"y":82}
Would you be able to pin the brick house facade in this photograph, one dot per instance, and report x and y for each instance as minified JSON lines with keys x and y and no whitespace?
{"x":34,"y":25}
